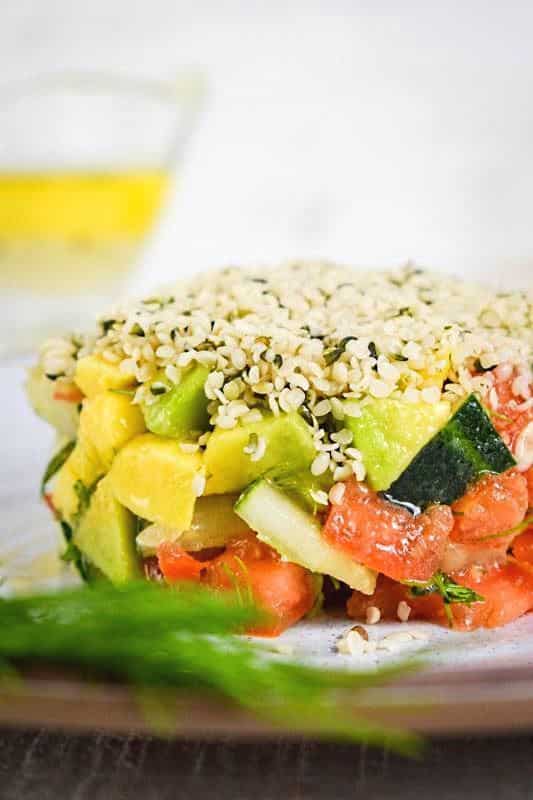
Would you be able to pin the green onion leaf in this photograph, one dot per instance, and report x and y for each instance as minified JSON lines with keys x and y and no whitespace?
{"x":55,"y":464}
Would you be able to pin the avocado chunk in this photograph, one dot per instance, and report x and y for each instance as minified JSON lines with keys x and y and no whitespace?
{"x":106,"y":536}
{"x":297,"y":536}
{"x":182,"y":410}
{"x":288,"y":450}
{"x":155,"y":479}
{"x":389,"y":433}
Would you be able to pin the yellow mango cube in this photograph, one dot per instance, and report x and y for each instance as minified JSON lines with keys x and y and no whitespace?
{"x":93,"y":375}
{"x":107,"y":422}
{"x":64,"y":497}
{"x":155,"y":479}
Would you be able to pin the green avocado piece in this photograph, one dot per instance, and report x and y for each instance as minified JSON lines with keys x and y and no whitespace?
{"x":389,"y":433}
{"x":106,"y":536}
{"x":288,"y":451}
{"x":182,"y":410}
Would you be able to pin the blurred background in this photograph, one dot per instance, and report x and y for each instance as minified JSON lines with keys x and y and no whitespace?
{"x":368,"y":132}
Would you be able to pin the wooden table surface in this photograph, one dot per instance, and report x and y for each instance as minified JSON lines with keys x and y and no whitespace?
{"x":39,"y":765}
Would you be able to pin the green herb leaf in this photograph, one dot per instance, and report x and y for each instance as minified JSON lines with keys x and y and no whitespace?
{"x":450,"y":591}
{"x":372,"y":349}
{"x":306,"y":414}
{"x":107,"y":324}
{"x":84,"y":494}
{"x":159,"y":388}
{"x":55,"y":464}
{"x":478,"y":366}
{"x":442,"y":584}
{"x":182,"y":639}
{"x":72,"y":554}
{"x":318,"y":587}
{"x":514,"y":531}
{"x":332,"y":355}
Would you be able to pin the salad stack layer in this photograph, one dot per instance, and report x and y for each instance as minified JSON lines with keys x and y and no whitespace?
{"x":302,"y":433}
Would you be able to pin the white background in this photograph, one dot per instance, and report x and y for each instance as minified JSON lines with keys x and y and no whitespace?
{"x":364,"y":131}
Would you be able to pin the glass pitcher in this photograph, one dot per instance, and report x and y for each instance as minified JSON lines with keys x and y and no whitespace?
{"x":85,"y":165}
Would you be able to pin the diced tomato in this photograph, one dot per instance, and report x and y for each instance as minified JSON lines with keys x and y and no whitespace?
{"x":284,"y":591}
{"x":48,"y":499}
{"x":387,"y":537}
{"x":523,"y":547}
{"x":176,"y":564}
{"x":507,"y":590}
{"x":510,"y":415}
{"x":494,"y":504}
{"x":152,"y":570}
{"x":386,"y":596}
{"x":68,"y":393}
{"x":529,"y":478}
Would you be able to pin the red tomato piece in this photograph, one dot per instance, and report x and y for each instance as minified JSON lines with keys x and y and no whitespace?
{"x":510,"y":414}
{"x":68,"y":393}
{"x":507,"y":590}
{"x":529,"y":478}
{"x":176,"y":564}
{"x":523,"y":547}
{"x":387,"y":537}
{"x":285,"y":591}
{"x":386,"y":596}
{"x":494,"y":504}
{"x":152,"y":570}
{"x":48,"y":499}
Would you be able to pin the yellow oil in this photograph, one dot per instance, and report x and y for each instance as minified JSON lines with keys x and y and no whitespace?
{"x":65,"y":231}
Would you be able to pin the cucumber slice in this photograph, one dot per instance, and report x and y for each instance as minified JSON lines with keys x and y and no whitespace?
{"x":214,"y":524}
{"x":63,"y":416}
{"x":296,"y":535}
{"x":467,"y":447}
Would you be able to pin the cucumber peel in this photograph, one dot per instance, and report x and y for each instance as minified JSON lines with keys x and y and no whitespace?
{"x":466,"y":448}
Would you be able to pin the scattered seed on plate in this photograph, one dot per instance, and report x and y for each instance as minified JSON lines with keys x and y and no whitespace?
{"x":373,"y":615}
